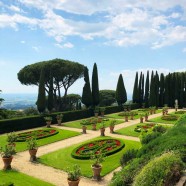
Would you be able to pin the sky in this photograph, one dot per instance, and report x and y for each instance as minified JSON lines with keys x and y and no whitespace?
{"x":120,"y":36}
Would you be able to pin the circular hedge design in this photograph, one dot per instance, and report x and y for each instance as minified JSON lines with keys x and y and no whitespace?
{"x":107,"y":146}
{"x":37,"y":134}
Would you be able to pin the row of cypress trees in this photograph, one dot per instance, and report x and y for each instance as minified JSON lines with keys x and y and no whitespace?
{"x":160,"y":89}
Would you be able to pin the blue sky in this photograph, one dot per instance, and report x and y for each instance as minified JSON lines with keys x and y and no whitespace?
{"x":121,"y":36}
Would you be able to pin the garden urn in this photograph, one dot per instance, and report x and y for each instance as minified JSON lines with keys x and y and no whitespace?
{"x":32,"y":153}
{"x":126,"y":118}
{"x":59,"y":122}
{"x":7,"y":162}
{"x":111,"y":129}
{"x":141,"y":119}
{"x":84,"y":129}
{"x":96,"y":172}
{"x":102,"y":130}
{"x":94,"y":126}
{"x":73,"y":183}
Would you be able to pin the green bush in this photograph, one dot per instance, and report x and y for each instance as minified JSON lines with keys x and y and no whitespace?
{"x":159,"y":128}
{"x":180,"y":112}
{"x":7,"y":184}
{"x":169,"y":118}
{"x":113,"y":109}
{"x":127,"y":156}
{"x":163,"y":170}
{"x":149,"y":137}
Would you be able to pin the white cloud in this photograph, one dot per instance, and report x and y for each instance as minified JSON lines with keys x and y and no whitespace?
{"x":184,"y":50}
{"x":65,"y":45}
{"x":14,"y":8}
{"x":36,"y":48}
{"x":22,"y":42}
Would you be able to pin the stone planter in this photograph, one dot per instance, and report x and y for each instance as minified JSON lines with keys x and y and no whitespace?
{"x":102,"y":130}
{"x":141,"y":119}
{"x":84,"y":128}
{"x":73,"y":183}
{"x":32,"y":153}
{"x":93,"y":126}
{"x":48,"y":124}
{"x":111,"y":129}
{"x":7,"y":162}
{"x":96,"y":172}
{"x":59,"y":122}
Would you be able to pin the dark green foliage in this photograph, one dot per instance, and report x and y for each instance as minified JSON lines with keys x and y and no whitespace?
{"x":140,"y":89}
{"x":162,"y":90}
{"x":121,"y":95}
{"x":146,"y":97}
{"x":30,"y":111}
{"x":129,"y":155}
{"x":135,"y":90}
{"x":152,"y":90}
{"x":1,"y":99}
{"x":86,"y":95}
{"x":107,"y":97}
{"x":41,"y":100}
{"x":8,"y":184}
{"x":149,"y":137}
{"x":113,"y":109}
{"x":95,"y":86}
{"x":50,"y":103}
{"x":156,"y":88}
{"x":160,"y":129}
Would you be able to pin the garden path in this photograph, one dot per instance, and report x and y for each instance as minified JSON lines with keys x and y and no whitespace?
{"x":58,"y":177}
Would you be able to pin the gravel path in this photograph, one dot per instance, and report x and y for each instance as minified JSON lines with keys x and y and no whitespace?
{"x":58,"y":177}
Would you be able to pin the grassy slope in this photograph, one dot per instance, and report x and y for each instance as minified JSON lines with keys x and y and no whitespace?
{"x":62,"y":159}
{"x":20,"y":179}
{"x":76,"y":124}
{"x":63,"y":134}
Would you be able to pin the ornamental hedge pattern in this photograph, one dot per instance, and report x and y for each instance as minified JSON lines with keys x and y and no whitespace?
{"x":169,"y":118}
{"x":37,"y":134}
{"x":145,"y":128}
{"x":106,"y":146}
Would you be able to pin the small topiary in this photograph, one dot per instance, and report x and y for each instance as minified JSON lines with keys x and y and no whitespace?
{"x":163,"y":170}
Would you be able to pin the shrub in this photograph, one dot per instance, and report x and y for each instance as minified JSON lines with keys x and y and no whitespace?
{"x":129,"y":155}
{"x":163,"y":170}
{"x":113,"y":109}
{"x":180,"y":112}
{"x":74,"y":173}
{"x":169,"y":117}
{"x":159,"y":128}
{"x":7,"y":184}
{"x":149,"y":137}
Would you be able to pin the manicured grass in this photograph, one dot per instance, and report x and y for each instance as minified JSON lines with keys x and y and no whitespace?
{"x":63,"y":134}
{"x":76,"y":124}
{"x":159,"y":120}
{"x":129,"y":131}
{"x":20,"y":179}
{"x":62,"y":159}
{"x":115,"y":115}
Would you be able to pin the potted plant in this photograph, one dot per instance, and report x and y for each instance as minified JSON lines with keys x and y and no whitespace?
{"x":94,"y":122}
{"x":59,"y":118}
{"x":7,"y":155}
{"x":151,"y":110}
{"x":32,"y":147}
{"x":84,"y":127}
{"x":102,"y":129}
{"x":48,"y":120}
{"x":96,"y":166}
{"x":96,"y":111}
{"x":126,"y":114}
{"x":141,"y":114}
{"x":112,"y":124}
{"x":11,"y":138}
{"x":154,"y":110}
{"x":102,"y":110}
{"x":146,"y":116}
{"x":74,"y":175}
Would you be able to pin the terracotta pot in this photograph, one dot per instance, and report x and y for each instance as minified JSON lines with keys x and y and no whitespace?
{"x":102,"y":113}
{"x":111,"y":129}
{"x":146,"y":118}
{"x":132,"y":117}
{"x":126,"y":118}
{"x":96,"y":172}
{"x":84,"y":129}
{"x":7,"y":162}
{"x":73,"y":183}
{"x":93,"y":126}
{"x":32,"y":153}
{"x":99,"y":120}
{"x":151,"y":112}
{"x":102,"y":130}
{"x":59,"y":122}
{"x":96,"y":114}
{"x":141,"y":120}
{"x":163,"y":113}
{"x":48,"y":124}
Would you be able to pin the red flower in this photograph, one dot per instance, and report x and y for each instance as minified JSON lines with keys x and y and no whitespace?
{"x":109,"y":148}
{"x":91,"y":144}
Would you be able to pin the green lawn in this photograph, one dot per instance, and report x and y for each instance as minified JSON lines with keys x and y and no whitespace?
{"x":76,"y":124}
{"x":159,"y":120}
{"x":20,"y":179}
{"x":115,"y":115}
{"x":61,"y":159}
{"x":63,"y":134}
{"x":129,"y":131}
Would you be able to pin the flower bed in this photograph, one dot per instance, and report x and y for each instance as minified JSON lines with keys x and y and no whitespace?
{"x":169,"y":118}
{"x":144,"y":128}
{"x":180,"y":112}
{"x":37,"y":134}
{"x":107,"y":146}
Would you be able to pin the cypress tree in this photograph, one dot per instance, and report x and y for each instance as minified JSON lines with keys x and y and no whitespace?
{"x":121,"y":95}
{"x":146,"y":99}
{"x":135,"y":89}
{"x":140,"y":90}
{"x":156,"y":88}
{"x":41,"y":100}
{"x":167,"y":95}
{"x":152,"y":91}
{"x":95,"y":86}
{"x":181,"y":91}
{"x":86,"y":95}
{"x":50,"y":104}
{"x":162,"y":90}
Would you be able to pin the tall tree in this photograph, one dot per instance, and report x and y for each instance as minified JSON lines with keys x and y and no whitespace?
{"x":107,"y":97}
{"x":86,"y":95}
{"x":41,"y":100}
{"x":95,"y":86}
{"x":152,"y":91}
{"x":167,"y":89}
{"x":121,"y":95}
{"x":156,"y":89}
{"x":50,"y":103}
{"x":135,"y":90}
{"x":140,"y":90}
{"x":162,"y":90}
{"x":146,"y":97}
